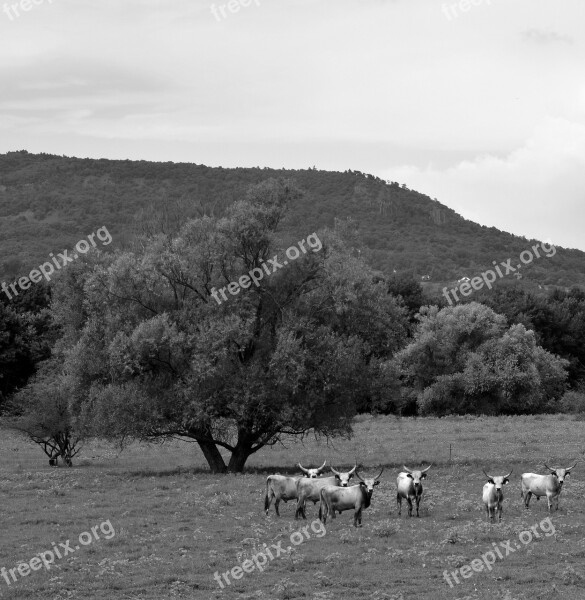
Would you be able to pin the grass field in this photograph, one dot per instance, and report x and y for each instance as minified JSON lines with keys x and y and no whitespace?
{"x":175,"y":524}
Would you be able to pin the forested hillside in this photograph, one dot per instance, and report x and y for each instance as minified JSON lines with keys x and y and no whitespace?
{"x":48,"y":203}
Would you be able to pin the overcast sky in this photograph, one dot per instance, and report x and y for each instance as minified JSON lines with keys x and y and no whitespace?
{"x":483,"y":109}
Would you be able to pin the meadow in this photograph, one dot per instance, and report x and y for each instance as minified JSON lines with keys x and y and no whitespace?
{"x":176,"y":525}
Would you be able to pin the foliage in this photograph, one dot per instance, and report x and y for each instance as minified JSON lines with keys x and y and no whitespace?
{"x":151,"y":355}
{"x":41,"y":413}
{"x":47,"y":203}
{"x":463,"y":359}
{"x":409,"y":291}
{"x":558,"y":321}
{"x":572,"y":402}
{"x":26,"y":336}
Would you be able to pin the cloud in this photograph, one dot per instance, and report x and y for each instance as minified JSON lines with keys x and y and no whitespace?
{"x":518,"y":192}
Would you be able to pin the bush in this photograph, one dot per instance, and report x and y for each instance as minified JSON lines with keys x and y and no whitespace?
{"x":572,"y":402}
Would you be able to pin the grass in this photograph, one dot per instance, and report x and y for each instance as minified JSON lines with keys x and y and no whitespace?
{"x":176,"y":524}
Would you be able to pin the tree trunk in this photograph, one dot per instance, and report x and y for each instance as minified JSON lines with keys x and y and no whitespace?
{"x":212,"y":456}
{"x":239,"y":457}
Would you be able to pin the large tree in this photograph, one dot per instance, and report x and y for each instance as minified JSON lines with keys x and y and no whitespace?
{"x":150,"y":354}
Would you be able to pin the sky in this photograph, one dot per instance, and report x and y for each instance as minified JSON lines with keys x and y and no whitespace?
{"x":477,"y":103}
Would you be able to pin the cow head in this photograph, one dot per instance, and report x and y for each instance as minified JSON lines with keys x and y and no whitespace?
{"x":560,"y":474}
{"x":312,"y":473}
{"x":344,"y":477}
{"x":417,"y":476}
{"x":368,"y":484}
{"x":498,"y":481}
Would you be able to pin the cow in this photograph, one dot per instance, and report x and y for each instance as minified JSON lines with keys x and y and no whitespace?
{"x":409,"y":487}
{"x":312,"y":473}
{"x":344,"y":477}
{"x":493,"y":496}
{"x":549,"y":485}
{"x":280,"y":487}
{"x":308,"y":489}
{"x":340,"y":498}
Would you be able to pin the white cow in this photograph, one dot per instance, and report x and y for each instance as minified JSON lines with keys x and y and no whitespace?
{"x":356,"y":497}
{"x":409,"y":486}
{"x":344,"y":477}
{"x":281,"y":487}
{"x":312,"y":473}
{"x":493,"y":496}
{"x":544,"y":485}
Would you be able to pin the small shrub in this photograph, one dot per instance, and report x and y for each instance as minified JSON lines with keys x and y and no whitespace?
{"x":572,"y":402}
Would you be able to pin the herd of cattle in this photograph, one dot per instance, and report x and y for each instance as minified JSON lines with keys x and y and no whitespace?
{"x":335,"y":494}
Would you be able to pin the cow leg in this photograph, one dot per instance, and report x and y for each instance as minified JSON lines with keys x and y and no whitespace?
{"x":300,"y":509}
{"x":323,"y":510}
{"x":399,"y":503}
{"x":527,"y":497}
{"x":276,"y":503}
{"x":409,"y":507}
{"x":357,"y":518}
{"x":500,"y":513}
{"x":417,"y":505}
{"x":268,"y":501}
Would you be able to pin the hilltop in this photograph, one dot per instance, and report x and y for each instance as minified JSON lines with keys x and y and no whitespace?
{"x":48,"y":203}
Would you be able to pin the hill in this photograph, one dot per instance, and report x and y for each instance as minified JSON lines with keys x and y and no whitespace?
{"x":48,"y":203}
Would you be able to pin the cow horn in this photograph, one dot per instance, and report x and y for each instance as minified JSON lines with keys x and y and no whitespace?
{"x":425,"y":470}
{"x":488,"y":476}
{"x":407,"y":469}
{"x":554,"y":470}
{"x":508,"y":475}
{"x":379,"y":475}
{"x":358,"y":476}
{"x":353,"y":470}
{"x":571,"y":467}
{"x":322,"y":466}
{"x":303,"y":468}
{"x":334,"y":471}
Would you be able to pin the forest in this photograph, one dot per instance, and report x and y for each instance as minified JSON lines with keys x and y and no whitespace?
{"x":49,"y":202}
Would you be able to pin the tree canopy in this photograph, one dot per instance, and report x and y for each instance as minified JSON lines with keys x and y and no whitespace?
{"x":464,"y":359}
{"x":150,"y":354}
